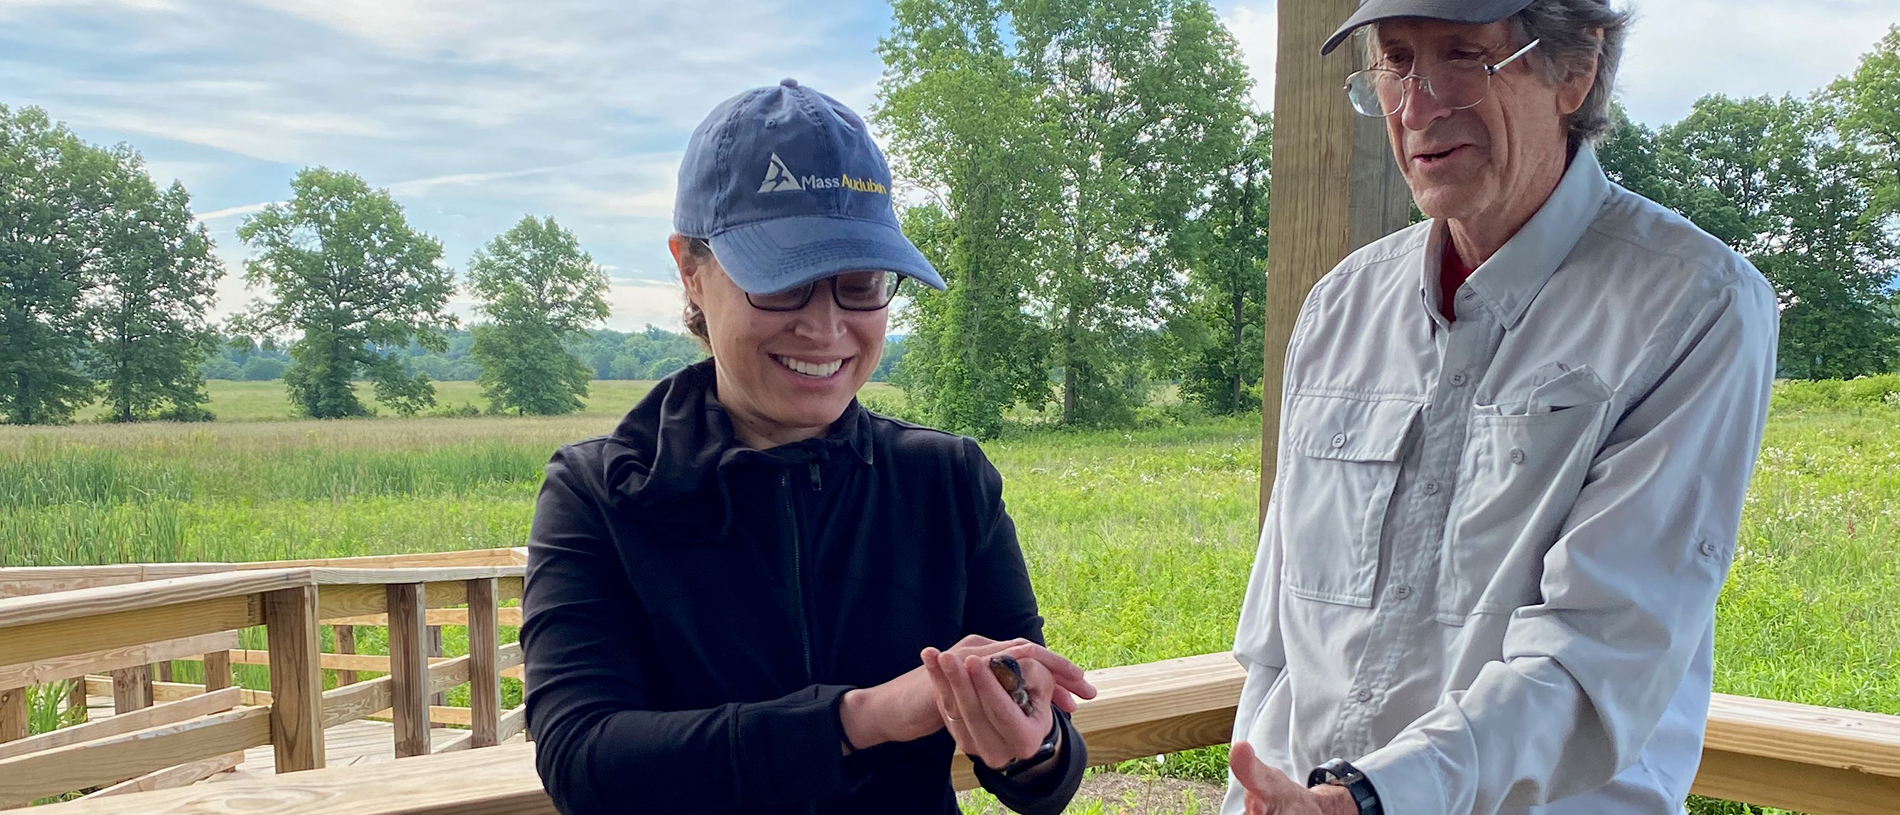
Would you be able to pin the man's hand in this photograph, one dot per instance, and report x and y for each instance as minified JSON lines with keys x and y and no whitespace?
{"x":1270,"y":792}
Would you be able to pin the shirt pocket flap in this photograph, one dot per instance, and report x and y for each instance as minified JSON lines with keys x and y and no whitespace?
{"x":1346,"y":428}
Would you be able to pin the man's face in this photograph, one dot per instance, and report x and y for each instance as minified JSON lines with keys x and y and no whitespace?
{"x":1484,"y":161}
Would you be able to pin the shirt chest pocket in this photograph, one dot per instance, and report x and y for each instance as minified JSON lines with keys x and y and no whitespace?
{"x":1341,"y":466}
{"x":1520,"y":477}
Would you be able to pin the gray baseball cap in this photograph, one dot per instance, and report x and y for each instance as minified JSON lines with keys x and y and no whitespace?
{"x":1474,"y":12}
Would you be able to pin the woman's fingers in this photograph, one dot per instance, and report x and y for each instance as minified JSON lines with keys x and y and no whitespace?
{"x":1066,"y":673}
{"x":982,"y":741}
{"x":1016,"y":733}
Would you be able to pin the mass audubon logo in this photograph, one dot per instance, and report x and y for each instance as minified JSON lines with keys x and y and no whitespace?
{"x":779,"y":178}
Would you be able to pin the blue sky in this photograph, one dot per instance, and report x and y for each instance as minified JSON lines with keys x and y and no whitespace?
{"x":476,"y":112}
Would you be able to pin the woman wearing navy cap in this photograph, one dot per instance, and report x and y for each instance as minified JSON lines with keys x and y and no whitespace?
{"x":754,"y":595}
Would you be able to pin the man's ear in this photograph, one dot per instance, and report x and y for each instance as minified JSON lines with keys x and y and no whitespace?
{"x":688,"y":267}
{"x":1577,"y":86}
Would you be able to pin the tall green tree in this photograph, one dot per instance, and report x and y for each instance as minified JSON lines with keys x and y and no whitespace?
{"x":347,"y":275}
{"x":1869,"y":106}
{"x":961,"y":118}
{"x":1218,"y":336}
{"x":54,"y":196}
{"x":538,"y":290}
{"x":1773,"y":180}
{"x":156,"y":279}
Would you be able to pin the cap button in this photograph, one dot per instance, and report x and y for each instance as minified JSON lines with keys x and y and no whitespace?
{"x":788,"y":82}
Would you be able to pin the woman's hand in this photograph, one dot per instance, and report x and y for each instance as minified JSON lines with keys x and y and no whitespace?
{"x":906,"y":708}
{"x":987,"y":724}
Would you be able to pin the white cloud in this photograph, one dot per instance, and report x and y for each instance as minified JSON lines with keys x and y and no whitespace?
{"x":1256,"y":27}
{"x":231,"y":212}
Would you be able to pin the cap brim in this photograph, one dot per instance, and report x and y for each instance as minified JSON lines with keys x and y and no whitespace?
{"x":780,"y":253}
{"x":1471,"y":12}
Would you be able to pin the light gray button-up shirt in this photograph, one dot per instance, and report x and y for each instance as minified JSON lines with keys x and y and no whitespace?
{"x":1490,"y":563}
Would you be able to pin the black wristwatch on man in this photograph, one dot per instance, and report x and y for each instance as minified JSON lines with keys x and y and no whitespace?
{"x":1341,"y":774}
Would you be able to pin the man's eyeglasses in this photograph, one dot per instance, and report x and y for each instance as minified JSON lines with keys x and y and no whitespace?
{"x":1457,"y":84}
{"x":852,"y":291}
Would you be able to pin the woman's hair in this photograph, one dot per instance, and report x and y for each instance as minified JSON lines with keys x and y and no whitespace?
{"x":695,"y":319}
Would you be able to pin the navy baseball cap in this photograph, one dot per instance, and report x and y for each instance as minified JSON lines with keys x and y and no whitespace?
{"x":787,"y":187}
{"x":1474,"y":12}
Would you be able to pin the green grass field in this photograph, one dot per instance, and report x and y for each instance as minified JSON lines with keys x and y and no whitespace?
{"x":1139,"y":542}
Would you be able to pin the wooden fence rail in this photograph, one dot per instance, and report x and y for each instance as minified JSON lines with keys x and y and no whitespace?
{"x":73,"y":624}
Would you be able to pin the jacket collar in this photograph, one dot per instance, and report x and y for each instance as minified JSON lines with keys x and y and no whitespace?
{"x":668,"y":458}
{"x":1508,"y":282}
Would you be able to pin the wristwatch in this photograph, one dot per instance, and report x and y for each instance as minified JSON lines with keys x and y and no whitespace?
{"x":1044,"y":753}
{"x":1341,"y":774}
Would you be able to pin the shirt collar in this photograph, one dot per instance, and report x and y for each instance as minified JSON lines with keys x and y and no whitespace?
{"x":1511,"y":279}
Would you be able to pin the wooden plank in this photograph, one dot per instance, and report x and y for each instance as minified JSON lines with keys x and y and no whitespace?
{"x":345,"y":636}
{"x":335,"y":602}
{"x":182,"y":775}
{"x":409,"y":667}
{"x":26,"y":581}
{"x":174,"y":691}
{"x":509,"y":615}
{"x":513,"y":722}
{"x":496,"y":781}
{"x":433,"y":641}
{"x":484,"y":670}
{"x":331,"y":662}
{"x":1811,"y":736}
{"x":117,"y":758}
{"x":464,"y":557}
{"x":155,"y":716}
{"x":218,"y":670}
{"x":359,"y":701}
{"x":296,"y":680}
{"x":347,"y":601}
{"x":453,"y":575}
{"x":76,"y":701}
{"x":131,"y":689}
{"x":19,"y":612}
{"x":1794,"y":785}
{"x":14,"y":719}
{"x":1315,"y":220}
{"x":77,"y":665}
{"x":79,"y":634}
{"x":464,"y":741}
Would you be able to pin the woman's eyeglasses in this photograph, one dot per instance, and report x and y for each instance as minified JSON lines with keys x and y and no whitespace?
{"x":852,"y":291}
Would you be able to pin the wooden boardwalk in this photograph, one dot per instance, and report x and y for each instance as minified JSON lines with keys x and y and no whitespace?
{"x":347,"y":744}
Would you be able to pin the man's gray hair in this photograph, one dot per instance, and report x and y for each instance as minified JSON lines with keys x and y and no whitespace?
{"x":1568,"y":31}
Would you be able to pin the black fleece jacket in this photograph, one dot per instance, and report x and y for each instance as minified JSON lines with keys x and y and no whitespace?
{"x":695,"y":609}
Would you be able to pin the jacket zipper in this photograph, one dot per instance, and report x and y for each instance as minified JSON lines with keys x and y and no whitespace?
{"x":798,"y":572}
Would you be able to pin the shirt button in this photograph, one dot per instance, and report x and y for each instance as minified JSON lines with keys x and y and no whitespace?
{"x":1517,"y":455}
{"x":1339,"y":440}
{"x":1364,"y":695}
{"x":1709,"y":548}
{"x":1430,"y":488}
{"x":1401,"y":592}
{"x":1458,"y":379}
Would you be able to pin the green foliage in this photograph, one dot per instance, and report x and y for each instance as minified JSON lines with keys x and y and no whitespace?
{"x":54,"y":193}
{"x":1866,"y":393}
{"x":348,"y":274}
{"x":156,"y":281}
{"x":1216,"y":341}
{"x":538,"y":289}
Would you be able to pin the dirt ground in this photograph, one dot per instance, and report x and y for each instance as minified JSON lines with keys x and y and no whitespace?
{"x":1117,"y":794}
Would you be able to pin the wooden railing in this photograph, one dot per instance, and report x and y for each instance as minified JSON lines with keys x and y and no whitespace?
{"x":1808,"y":759}
{"x":78,"y":623}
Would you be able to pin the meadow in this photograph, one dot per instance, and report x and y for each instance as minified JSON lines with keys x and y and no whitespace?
{"x":1139,"y":541}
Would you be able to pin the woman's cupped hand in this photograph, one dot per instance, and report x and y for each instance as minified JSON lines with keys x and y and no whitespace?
{"x":954,"y":688}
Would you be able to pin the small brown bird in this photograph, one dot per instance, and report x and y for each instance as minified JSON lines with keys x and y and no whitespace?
{"x":1010,"y":675}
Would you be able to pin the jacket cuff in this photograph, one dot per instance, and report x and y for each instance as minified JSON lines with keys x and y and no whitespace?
{"x":1048,"y":794}
{"x":1409,"y":772}
{"x":795,"y":743}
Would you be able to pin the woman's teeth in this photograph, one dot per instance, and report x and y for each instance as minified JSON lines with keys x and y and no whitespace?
{"x":820,"y":370}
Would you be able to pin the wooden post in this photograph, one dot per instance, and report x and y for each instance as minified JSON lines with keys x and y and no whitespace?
{"x":296,"y":678}
{"x":1317,"y":141}
{"x":217,"y":670}
{"x":13,"y":714}
{"x":409,"y":669}
{"x":76,"y":699}
{"x":165,"y":671}
{"x":131,"y":689}
{"x":345,"y":644}
{"x":435,"y":650}
{"x":484,"y":679}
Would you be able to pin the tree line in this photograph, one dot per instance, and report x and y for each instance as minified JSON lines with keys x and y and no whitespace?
{"x":1094,"y":185}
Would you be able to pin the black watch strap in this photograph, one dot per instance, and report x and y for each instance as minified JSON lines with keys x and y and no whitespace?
{"x":1340,"y":773}
{"x":1044,"y":753}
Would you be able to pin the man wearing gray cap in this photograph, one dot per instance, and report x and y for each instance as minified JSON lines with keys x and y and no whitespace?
{"x":1514,"y":444}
